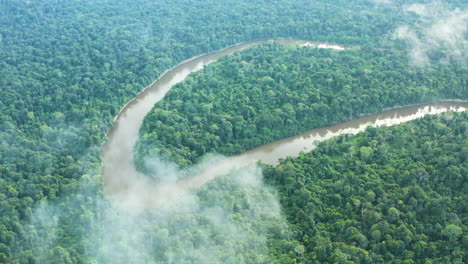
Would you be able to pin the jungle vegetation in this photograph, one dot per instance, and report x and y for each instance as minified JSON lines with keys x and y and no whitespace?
{"x":274,"y":91}
{"x":68,"y":66}
{"x":387,"y":195}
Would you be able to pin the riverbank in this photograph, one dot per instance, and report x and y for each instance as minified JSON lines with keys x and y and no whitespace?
{"x":123,"y":181}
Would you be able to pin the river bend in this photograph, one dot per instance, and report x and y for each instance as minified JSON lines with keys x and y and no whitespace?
{"x":122,"y":181}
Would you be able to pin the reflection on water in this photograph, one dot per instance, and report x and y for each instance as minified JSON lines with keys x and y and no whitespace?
{"x":293,"y":146}
{"x":118,"y":172}
{"x":121,"y":179}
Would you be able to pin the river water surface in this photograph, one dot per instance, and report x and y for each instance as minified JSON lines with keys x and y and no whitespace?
{"x":123,"y":182}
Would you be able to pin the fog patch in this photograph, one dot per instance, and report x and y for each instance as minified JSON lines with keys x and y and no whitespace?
{"x":161,"y":170}
{"x":382,"y":2}
{"x":439,"y":34}
{"x":223,"y":222}
{"x":42,"y":228}
{"x":227,"y":220}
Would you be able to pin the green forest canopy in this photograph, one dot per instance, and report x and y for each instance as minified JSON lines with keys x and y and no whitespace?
{"x":274,"y":91}
{"x":388,"y":195}
{"x":67,"y":67}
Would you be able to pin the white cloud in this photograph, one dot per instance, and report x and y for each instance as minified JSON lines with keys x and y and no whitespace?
{"x":222,"y":222}
{"x":382,"y":2}
{"x":439,"y":29}
{"x":418,"y":9}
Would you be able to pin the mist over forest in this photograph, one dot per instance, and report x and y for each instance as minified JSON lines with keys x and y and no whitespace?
{"x":177,"y":185}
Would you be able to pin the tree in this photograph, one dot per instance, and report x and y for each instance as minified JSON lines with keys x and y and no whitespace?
{"x":452,"y":232}
{"x":393,"y":214}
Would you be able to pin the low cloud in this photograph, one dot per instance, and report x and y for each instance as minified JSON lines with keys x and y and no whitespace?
{"x":439,"y":34}
{"x":227,"y":220}
{"x":223,"y":222}
{"x":382,"y":2}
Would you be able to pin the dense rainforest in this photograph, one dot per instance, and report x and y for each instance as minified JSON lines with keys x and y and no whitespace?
{"x":68,"y":66}
{"x":388,"y":195}
{"x":274,"y":91}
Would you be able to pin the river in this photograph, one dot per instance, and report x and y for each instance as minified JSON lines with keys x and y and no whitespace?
{"x":122,"y":181}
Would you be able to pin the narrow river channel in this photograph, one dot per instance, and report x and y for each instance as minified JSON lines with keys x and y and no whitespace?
{"x":120,"y":177}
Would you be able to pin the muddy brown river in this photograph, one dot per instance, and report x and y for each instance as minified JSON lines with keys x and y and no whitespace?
{"x":124,"y":183}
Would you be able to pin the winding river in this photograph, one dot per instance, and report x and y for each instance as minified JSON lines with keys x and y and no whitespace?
{"x":123,"y":182}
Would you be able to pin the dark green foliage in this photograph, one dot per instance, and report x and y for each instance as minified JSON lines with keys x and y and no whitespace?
{"x":274,"y":91}
{"x":68,"y":66}
{"x":404,"y":202}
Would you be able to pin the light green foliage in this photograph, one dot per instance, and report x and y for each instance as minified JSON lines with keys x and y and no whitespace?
{"x":68,"y":66}
{"x":273,"y":91}
{"x":408,"y":219}
{"x":452,"y":232}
